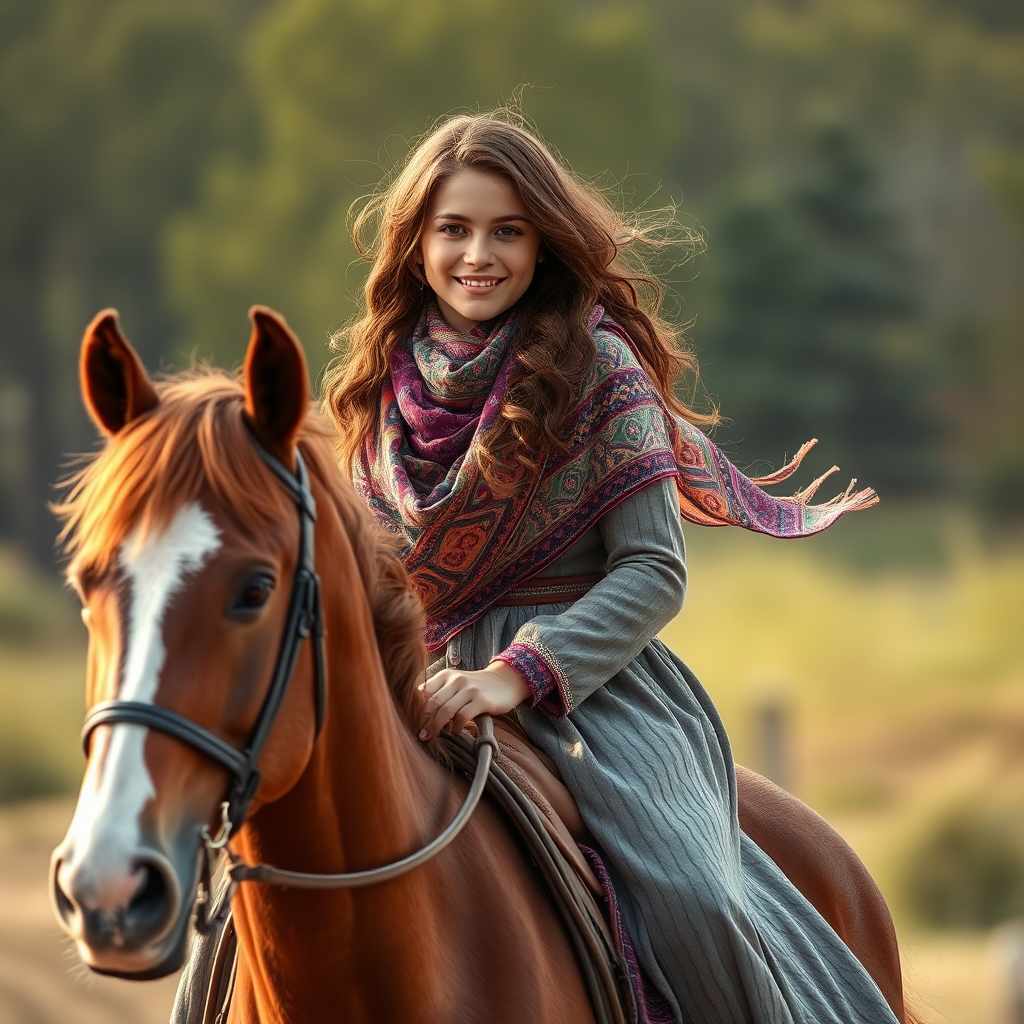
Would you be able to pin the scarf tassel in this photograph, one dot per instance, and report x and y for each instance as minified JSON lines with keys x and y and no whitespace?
{"x":788,"y":469}
{"x":848,"y":501}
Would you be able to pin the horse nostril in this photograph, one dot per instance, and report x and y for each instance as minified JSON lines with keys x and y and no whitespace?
{"x":65,"y":908}
{"x":154,"y":904}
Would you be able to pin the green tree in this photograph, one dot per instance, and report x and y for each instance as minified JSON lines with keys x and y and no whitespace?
{"x":107,"y":110}
{"x":813,"y":336}
{"x":931,"y":85}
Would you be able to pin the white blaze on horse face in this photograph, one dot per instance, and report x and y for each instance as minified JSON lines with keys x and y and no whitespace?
{"x":117,"y":784}
{"x":156,"y":568}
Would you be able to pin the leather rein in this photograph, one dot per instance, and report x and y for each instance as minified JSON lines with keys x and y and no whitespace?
{"x":304,"y":620}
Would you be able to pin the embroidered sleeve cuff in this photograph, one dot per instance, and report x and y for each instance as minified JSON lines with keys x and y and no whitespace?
{"x":549,"y":687}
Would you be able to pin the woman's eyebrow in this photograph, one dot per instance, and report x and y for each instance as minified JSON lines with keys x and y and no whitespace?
{"x":496,"y":220}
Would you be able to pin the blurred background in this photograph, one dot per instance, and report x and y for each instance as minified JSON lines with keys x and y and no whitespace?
{"x":857,"y":173}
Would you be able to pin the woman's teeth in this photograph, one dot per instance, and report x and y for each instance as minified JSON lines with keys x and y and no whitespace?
{"x":478,"y":282}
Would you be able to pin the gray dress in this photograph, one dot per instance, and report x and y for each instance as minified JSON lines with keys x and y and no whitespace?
{"x":721,"y":932}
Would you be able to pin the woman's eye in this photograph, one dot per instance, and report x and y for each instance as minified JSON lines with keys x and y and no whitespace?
{"x":452,"y":229}
{"x":254,"y":594}
{"x":508,"y":232}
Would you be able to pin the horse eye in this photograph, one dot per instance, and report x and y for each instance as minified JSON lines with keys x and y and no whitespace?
{"x":254,"y":594}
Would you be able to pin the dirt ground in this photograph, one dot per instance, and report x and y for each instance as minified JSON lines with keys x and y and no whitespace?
{"x":42,"y":981}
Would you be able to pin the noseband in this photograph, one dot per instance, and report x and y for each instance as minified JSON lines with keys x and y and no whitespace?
{"x":305,"y":619}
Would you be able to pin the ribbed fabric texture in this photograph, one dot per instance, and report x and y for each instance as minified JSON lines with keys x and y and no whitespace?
{"x":721,"y":932}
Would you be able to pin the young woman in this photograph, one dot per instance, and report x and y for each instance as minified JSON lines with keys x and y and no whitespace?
{"x":507,"y":405}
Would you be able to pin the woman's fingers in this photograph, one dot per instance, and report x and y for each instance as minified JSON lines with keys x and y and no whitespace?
{"x":445,"y":703}
{"x":445,"y":714}
{"x":465,"y":715}
{"x":454,"y":697}
{"x":435,"y":682}
{"x":437,"y":690}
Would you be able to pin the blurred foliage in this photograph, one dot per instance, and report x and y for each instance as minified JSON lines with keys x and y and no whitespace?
{"x":26,"y":774}
{"x":41,"y":683}
{"x":341,"y":88}
{"x":967,"y":870}
{"x":34,"y":609}
{"x":990,"y":14}
{"x":108,"y":112}
{"x":181,"y":159}
{"x":814,"y":333}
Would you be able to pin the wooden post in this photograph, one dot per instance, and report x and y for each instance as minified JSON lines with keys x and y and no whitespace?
{"x":772,"y":737}
{"x":1010,"y":939}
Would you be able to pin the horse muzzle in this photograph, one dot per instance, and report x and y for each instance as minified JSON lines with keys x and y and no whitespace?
{"x":124,"y":909}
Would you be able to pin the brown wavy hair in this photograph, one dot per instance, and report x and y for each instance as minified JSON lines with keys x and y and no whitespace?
{"x":590,"y":259}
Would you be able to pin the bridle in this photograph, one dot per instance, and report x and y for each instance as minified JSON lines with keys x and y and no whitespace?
{"x":304,"y":620}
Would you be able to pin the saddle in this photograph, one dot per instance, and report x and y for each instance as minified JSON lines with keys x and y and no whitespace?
{"x":526,"y":786}
{"x":536,"y":775}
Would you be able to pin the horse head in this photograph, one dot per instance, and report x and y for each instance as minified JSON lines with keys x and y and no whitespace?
{"x":184,"y":548}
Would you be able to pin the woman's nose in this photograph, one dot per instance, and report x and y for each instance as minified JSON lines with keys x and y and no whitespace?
{"x":478,"y":252}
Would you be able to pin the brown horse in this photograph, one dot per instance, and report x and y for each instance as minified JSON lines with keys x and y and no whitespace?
{"x":184,"y":547}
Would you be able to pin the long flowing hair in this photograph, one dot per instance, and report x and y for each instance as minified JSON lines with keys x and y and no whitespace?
{"x":590,"y":259}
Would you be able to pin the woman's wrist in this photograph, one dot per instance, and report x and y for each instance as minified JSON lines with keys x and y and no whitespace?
{"x":512,"y":678}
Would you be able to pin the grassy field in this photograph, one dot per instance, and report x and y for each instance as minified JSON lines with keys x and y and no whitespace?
{"x":902,"y":688}
{"x":894,"y":646}
{"x":42,"y":659}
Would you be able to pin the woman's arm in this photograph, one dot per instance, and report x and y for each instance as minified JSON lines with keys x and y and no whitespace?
{"x":556,"y":661}
{"x":566,"y":657}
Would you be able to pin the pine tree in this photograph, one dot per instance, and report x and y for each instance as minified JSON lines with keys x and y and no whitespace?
{"x":814,"y":334}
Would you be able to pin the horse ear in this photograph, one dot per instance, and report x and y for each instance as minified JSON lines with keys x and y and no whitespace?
{"x":276,"y":383}
{"x":115,"y":386}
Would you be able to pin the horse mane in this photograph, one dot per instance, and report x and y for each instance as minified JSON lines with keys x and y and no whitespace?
{"x":196,"y":439}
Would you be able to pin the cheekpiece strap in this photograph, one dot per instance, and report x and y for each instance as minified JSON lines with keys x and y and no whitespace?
{"x":297,"y":482}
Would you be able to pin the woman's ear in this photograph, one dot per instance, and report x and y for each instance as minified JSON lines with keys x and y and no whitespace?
{"x":417,"y":269}
{"x":115,"y":386}
{"x":276,"y":384}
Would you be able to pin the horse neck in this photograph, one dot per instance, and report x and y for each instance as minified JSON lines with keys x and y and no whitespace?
{"x":370,"y":795}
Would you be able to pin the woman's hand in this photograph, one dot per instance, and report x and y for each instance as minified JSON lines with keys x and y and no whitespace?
{"x":454,"y":698}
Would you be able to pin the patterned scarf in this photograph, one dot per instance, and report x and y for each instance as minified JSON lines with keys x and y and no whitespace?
{"x":467,"y":544}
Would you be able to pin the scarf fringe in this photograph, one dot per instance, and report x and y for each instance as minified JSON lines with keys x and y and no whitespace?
{"x":848,"y":501}
{"x":788,"y":469}
{"x":811,"y":489}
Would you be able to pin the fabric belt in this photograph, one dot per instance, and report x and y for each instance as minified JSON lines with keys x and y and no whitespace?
{"x":543,"y":590}
{"x":549,"y":590}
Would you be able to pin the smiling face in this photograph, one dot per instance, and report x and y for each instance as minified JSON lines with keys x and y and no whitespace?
{"x":479,"y":248}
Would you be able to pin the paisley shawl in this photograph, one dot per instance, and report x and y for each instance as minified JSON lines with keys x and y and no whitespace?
{"x":468,"y":545}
